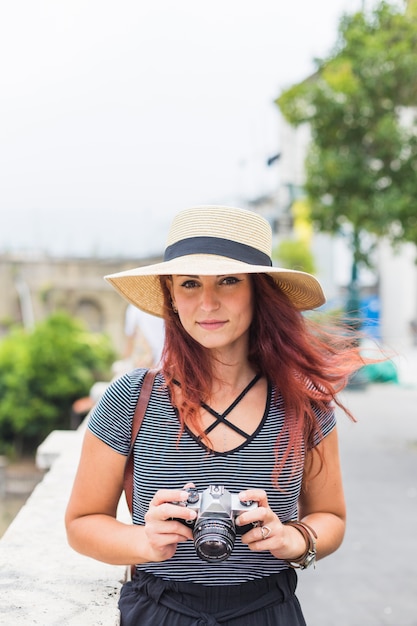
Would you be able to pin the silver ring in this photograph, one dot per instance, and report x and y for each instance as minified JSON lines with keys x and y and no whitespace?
{"x":265,"y":531}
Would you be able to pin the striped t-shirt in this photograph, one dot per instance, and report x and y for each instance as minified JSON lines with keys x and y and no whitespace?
{"x":162,"y":461}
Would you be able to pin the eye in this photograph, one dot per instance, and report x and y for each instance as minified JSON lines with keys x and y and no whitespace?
{"x":189,"y":284}
{"x":230,"y":280}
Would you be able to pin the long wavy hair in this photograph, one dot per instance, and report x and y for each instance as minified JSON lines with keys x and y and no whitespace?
{"x":307,"y":363}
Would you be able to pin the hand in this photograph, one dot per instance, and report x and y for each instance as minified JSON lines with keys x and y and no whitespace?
{"x":162,"y":529}
{"x":268,"y":533}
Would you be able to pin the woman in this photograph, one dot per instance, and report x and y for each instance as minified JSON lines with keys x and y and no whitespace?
{"x":243,"y":407}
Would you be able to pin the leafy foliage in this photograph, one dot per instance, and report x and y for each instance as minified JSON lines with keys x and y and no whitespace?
{"x":361,"y":103}
{"x":294,"y":254}
{"x":41,"y":374}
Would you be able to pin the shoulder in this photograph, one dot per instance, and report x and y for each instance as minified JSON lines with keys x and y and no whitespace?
{"x":111,"y":418}
{"x":325,"y":422}
{"x":130,"y":382}
{"x":127,"y":388}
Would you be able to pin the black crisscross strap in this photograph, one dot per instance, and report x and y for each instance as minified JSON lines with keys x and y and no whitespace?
{"x":221,"y":417}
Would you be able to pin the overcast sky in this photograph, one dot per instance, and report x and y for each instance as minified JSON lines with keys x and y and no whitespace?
{"x":116,"y":114}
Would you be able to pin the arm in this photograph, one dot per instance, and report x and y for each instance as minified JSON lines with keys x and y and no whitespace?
{"x":321,"y":506}
{"x":91,"y":524}
{"x":322,"y":503}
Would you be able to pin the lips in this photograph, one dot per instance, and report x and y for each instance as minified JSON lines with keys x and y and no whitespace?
{"x":211,"y":324}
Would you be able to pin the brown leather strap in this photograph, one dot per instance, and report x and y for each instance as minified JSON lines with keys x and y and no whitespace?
{"x":310,"y":537}
{"x":141,"y":406}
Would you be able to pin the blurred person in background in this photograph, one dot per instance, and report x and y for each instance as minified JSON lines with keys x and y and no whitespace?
{"x":144,"y":338}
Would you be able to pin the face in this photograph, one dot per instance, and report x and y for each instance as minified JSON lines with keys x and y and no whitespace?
{"x":215,"y":310}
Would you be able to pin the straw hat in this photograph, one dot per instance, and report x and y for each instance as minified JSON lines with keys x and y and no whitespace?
{"x":213,"y":241}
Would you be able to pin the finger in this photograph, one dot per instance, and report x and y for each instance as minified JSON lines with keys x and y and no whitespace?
{"x":259,"y":539}
{"x":256,"y":516}
{"x":168,"y":532}
{"x":167,"y":511}
{"x":169,"y":495}
{"x":257,"y":495}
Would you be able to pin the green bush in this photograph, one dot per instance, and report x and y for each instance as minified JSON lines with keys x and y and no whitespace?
{"x":42,"y":372}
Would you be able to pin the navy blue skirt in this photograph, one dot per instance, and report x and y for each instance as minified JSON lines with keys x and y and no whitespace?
{"x":151,"y":601}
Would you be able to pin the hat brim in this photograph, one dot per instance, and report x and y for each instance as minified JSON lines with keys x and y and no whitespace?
{"x":141,"y":286}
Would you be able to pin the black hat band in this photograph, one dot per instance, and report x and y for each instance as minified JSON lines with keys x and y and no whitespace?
{"x":217,"y":246}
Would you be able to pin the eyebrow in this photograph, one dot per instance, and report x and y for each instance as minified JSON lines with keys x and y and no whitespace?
{"x":198,"y":276}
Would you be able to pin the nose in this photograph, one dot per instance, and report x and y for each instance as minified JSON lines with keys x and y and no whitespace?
{"x":209,"y":299}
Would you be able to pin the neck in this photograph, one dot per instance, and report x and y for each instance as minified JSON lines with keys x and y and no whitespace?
{"x":231,"y":375}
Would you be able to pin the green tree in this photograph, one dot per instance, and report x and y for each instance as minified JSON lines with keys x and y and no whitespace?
{"x":42,"y":372}
{"x":361,"y":169}
{"x":295,"y":255}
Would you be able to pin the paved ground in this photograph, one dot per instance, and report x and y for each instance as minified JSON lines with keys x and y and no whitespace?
{"x":372,"y":579}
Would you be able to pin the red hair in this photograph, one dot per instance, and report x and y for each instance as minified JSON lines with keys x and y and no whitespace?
{"x":307,"y":364}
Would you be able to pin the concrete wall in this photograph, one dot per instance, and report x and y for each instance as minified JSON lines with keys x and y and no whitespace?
{"x":42,"y":580}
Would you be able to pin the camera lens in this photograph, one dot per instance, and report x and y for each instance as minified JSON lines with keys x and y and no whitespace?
{"x":214,"y":539}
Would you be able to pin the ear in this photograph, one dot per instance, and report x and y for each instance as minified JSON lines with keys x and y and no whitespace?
{"x":170,"y":287}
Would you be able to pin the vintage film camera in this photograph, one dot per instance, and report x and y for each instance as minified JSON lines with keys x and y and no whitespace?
{"x":214,"y":529}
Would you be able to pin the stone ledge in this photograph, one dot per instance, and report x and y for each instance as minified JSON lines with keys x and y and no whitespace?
{"x":42,"y":580}
{"x":53,"y":446}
